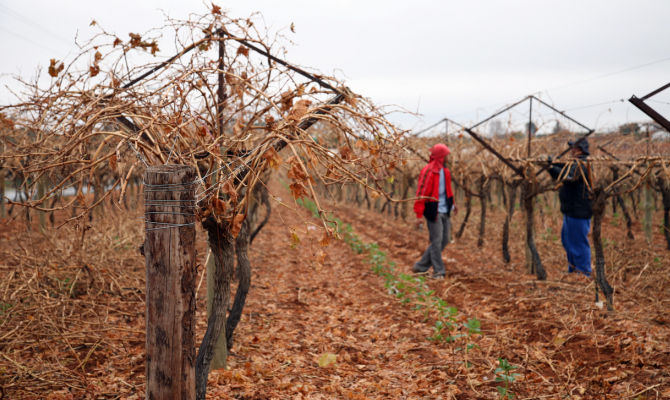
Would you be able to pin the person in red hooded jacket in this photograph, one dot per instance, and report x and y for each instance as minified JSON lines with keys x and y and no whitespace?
{"x":435,"y":201}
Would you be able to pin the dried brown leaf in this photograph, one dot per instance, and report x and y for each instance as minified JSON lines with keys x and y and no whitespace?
{"x":236,"y":224}
{"x":55,"y":67}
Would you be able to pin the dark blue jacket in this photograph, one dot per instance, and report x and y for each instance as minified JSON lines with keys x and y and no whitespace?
{"x":573,"y":194}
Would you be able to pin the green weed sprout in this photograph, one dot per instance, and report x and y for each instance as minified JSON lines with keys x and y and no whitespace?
{"x":505,"y":375}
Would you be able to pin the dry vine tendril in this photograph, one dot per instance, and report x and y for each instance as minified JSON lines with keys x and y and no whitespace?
{"x":218,"y":105}
{"x":224,"y":104}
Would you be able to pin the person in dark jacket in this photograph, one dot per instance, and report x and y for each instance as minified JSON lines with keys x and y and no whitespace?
{"x":575,"y":202}
{"x":435,"y":201}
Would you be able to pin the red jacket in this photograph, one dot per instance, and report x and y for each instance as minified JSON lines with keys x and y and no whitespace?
{"x":429,"y":179}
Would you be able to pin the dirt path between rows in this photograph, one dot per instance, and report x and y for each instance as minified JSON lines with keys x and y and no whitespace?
{"x":72,"y":315}
{"x":307,"y":300}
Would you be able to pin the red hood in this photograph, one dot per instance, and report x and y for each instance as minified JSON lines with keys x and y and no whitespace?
{"x":437,"y":155}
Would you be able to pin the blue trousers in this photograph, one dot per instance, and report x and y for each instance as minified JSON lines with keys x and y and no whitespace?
{"x":575,"y":239}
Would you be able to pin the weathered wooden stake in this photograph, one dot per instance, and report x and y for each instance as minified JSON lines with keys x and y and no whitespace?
{"x":169,"y":249}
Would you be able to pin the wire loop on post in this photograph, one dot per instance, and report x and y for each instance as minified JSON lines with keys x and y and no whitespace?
{"x":183,"y":204}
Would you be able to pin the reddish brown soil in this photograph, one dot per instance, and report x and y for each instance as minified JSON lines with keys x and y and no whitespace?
{"x":72,"y":322}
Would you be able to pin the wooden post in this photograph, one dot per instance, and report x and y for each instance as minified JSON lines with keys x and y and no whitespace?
{"x":169,"y":249}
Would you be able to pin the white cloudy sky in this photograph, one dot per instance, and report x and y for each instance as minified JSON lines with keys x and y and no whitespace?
{"x":457,"y":59}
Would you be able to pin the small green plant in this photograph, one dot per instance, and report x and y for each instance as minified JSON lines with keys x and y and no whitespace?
{"x":504,"y":374}
{"x":66,"y":284}
{"x":407,"y":288}
{"x":120,"y":243}
{"x":442,"y":330}
{"x":615,"y":219}
{"x":4,"y":307}
{"x":609,"y":243}
{"x":549,"y":235}
{"x":310,"y":205}
{"x":472,"y":327}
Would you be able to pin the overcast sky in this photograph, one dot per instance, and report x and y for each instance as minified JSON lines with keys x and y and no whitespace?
{"x":457,"y":59}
